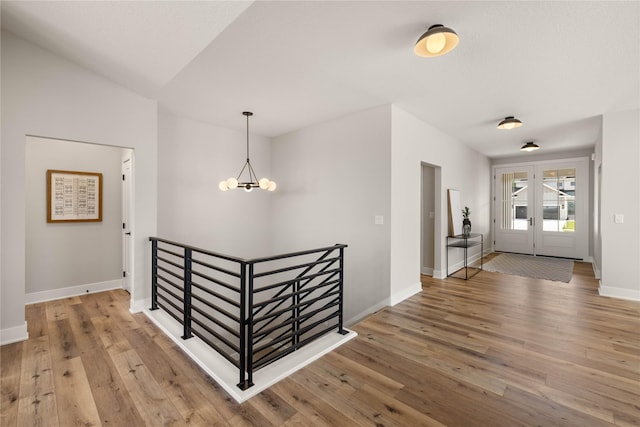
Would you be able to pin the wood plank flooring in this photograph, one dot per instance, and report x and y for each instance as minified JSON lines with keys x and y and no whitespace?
{"x":496,"y":350}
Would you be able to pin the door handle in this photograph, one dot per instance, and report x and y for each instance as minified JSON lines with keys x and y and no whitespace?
{"x":128,"y":234}
{"x":531,"y":221}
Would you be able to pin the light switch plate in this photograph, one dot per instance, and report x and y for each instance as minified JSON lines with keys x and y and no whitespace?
{"x":379,"y":220}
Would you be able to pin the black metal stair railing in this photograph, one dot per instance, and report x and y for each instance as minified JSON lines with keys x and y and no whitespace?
{"x":252,"y":312}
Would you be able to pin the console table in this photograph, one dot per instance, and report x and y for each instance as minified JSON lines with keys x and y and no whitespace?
{"x":466,"y":243}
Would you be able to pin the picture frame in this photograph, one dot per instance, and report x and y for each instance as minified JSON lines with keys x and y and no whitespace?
{"x":74,"y":196}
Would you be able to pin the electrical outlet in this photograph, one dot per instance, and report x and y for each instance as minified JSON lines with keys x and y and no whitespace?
{"x":618,"y":218}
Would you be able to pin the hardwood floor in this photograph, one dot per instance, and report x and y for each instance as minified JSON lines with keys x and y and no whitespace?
{"x":494,"y":351}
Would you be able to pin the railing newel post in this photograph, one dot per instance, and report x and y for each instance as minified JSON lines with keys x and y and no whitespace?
{"x":187,"y":294}
{"x":243,"y":323}
{"x":341,"y":329}
{"x":154,"y":274}
{"x":250,"y":327}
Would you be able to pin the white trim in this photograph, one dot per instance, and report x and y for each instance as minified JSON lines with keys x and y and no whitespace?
{"x":72,"y":291}
{"x":227,"y":375}
{"x":427,"y":271}
{"x":15,"y":334}
{"x":405,"y":293}
{"x":139,"y":305}
{"x":439,"y":274}
{"x":596,"y":270}
{"x":369,"y":311}
{"x":621,"y":293}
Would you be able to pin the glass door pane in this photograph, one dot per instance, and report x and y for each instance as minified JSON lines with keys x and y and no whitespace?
{"x":558,"y":195}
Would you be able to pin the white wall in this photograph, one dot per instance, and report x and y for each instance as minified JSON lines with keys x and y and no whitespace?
{"x":333,"y":180}
{"x":92,"y":250}
{"x":44,"y":95}
{"x":620,"y":269}
{"x":414,"y":142}
{"x":193,"y":157}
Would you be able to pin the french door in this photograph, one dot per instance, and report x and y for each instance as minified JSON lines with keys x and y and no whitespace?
{"x":542,"y":208}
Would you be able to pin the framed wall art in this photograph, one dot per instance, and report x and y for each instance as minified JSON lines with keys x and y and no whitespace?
{"x":74,"y":196}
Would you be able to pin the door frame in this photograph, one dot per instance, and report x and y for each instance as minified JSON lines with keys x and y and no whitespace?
{"x":583,"y":251}
{"x":128,"y":240}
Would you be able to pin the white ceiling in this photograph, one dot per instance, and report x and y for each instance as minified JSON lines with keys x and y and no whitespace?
{"x":555,"y":65}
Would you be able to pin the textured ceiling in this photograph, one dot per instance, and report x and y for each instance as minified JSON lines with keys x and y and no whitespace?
{"x":555,"y":65}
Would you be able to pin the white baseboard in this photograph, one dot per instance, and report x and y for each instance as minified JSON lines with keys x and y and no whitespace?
{"x":14,"y":334}
{"x":358,"y":317}
{"x":621,"y":293}
{"x":596,"y":270}
{"x":427,"y":271}
{"x":405,"y":293}
{"x":139,"y":305}
{"x":72,"y":291}
{"x":438,"y":274}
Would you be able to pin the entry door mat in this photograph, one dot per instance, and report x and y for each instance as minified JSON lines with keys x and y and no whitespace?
{"x":537,"y":267}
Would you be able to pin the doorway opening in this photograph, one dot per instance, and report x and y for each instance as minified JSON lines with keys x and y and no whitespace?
{"x":542,"y":208}
{"x":430,"y":221}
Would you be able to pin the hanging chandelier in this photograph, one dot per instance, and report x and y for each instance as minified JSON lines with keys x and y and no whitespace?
{"x":250,"y":182}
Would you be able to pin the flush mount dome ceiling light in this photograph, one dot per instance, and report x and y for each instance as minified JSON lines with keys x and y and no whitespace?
{"x":509,"y":123}
{"x":437,"y":41}
{"x":251,"y":181}
{"x":530,"y":146}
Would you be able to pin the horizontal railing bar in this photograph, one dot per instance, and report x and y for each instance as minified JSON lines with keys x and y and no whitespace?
{"x":216,"y":268}
{"x":168,"y":301}
{"x":304,"y":304}
{"x":219,"y":310}
{"x":334,"y":301}
{"x":177,"y":276}
{"x":263,"y":361}
{"x":176,"y":296}
{"x":281,"y":291}
{"x":216,"y":348}
{"x":216,"y":281}
{"x":260,"y":331}
{"x":331,"y":291}
{"x":297,"y":279}
{"x":228,"y":343}
{"x":295,"y":267}
{"x":301,"y":331}
{"x":295,"y":254}
{"x":175,"y":285}
{"x":215,"y":294}
{"x":304,"y":319}
{"x":202,"y":251}
{"x":216,"y":321}
{"x":302,"y":292}
{"x":167,"y":251}
{"x":175,"y":264}
{"x":266,"y":332}
{"x":169,"y":312}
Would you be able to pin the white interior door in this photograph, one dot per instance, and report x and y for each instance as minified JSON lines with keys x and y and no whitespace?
{"x":514,"y":220}
{"x":126,"y":227}
{"x":562,"y":191}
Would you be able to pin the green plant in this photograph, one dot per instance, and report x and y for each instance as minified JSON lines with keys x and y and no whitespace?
{"x":466,"y":212}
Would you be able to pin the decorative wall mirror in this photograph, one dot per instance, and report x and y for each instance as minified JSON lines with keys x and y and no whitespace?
{"x":455,"y":212}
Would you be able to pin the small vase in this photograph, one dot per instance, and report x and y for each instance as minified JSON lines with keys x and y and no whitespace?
{"x":466,"y":227}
